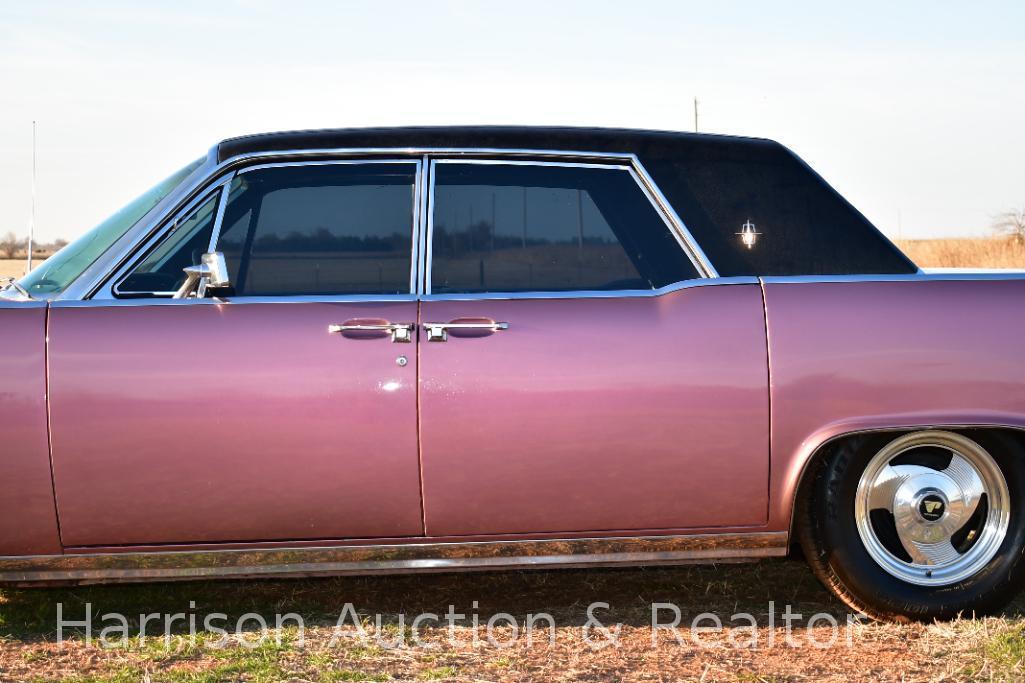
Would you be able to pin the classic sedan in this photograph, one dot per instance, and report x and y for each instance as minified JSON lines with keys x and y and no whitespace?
{"x":439,"y":349}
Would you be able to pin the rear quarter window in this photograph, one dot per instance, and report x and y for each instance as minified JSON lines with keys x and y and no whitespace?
{"x":805,"y":227}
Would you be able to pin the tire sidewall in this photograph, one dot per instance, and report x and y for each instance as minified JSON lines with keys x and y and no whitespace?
{"x":986,"y":591}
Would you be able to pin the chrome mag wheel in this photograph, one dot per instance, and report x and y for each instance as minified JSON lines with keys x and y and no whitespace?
{"x":932,"y":508}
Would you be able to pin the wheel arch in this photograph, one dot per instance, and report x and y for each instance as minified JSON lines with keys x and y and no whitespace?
{"x":815,"y":447}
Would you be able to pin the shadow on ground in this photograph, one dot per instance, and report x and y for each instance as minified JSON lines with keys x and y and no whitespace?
{"x":31,"y":614}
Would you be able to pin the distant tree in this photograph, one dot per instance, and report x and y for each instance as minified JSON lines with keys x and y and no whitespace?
{"x":1012,"y":224}
{"x":10,"y":245}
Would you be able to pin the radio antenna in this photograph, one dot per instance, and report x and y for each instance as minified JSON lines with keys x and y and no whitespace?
{"x":32,"y":215}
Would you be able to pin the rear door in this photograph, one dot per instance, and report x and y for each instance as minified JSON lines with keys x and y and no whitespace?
{"x":255,"y":418}
{"x":577,"y":373}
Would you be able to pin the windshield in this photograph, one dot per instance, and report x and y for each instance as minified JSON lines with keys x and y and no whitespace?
{"x":54,"y":274}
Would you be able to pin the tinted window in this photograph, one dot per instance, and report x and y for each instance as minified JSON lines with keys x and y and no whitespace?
{"x":515,"y":228}
{"x":320,"y":229}
{"x":163,"y":270}
{"x":804,"y":226}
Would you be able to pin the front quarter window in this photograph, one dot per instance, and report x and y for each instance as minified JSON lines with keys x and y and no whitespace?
{"x":55,"y":274}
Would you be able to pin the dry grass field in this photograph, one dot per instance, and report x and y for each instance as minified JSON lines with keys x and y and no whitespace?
{"x":12,"y":267}
{"x":984,"y":252}
{"x":388,"y":650}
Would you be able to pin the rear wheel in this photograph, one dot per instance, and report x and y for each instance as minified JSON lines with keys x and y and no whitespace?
{"x":918,"y":526}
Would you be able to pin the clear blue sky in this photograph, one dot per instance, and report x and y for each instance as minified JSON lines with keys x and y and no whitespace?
{"x":914,"y":110}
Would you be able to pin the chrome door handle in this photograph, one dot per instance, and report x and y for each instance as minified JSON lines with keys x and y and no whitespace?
{"x":438,"y":332}
{"x":400,"y":332}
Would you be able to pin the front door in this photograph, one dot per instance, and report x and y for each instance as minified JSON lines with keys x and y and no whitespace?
{"x":576,"y":375}
{"x":282,"y":413}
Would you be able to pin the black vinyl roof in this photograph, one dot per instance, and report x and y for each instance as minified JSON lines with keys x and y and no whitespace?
{"x":621,"y":140}
{"x":716,"y":184}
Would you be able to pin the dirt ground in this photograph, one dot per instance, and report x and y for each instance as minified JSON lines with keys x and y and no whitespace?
{"x":391,"y":647}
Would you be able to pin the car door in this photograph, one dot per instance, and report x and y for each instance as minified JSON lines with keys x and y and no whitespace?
{"x":285,"y":411}
{"x":578,"y":373}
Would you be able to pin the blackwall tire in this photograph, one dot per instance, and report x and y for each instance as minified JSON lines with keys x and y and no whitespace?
{"x":868,"y":566}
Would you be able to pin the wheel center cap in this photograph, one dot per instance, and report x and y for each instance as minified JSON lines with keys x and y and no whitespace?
{"x":932,"y":507}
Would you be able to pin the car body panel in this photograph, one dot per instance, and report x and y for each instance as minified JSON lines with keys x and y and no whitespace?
{"x":599,"y":428}
{"x":217,"y":422}
{"x":597,"y":414}
{"x":28,"y":521}
{"x":858,"y":355}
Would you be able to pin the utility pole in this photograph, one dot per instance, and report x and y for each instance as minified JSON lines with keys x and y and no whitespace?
{"x":32,"y":216}
{"x":695,"y":114}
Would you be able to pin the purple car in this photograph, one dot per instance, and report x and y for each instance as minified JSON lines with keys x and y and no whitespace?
{"x":438,"y":349}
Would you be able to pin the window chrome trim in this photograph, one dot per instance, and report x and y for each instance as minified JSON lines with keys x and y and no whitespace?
{"x":222,"y":205}
{"x":414,"y":233}
{"x":682,"y":233}
{"x":237,"y":300}
{"x":423,"y":208}
{"x":95,"y":280}
{"x":419,"y":212}
{"x":595,"y":294}
{"x":678,"y":231}
{"x":156,"y":238}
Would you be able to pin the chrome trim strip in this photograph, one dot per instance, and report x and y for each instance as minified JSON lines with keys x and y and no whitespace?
{"x":419,"y":244}
{"x":396,"y":298}
{"x":970,"y":271}
{"x":6,"y":302}
{"x":236,"y":300}
{"x":429,"y":240}
{"x":222,"y":205}
{"x":689,"y":244}
{"x":597,"y":294}
{"x":910,"y":277}
{"x":462,"y":152}
{"x":325,"y":162}
{"x":393,"y":558}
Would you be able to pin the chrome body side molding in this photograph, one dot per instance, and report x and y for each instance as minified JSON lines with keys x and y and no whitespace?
{"x":391,"y":559}
{"x":922,"y":276}
{"x":391,"y":298}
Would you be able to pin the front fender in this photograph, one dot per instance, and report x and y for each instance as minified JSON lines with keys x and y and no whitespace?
{"x":28,"y":517}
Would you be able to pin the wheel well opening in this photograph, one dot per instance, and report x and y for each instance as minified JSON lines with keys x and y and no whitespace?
{"x":815,"y":461}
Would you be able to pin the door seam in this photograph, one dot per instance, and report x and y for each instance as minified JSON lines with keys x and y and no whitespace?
{"x":419,"y":427}
{"x":49,"y":429}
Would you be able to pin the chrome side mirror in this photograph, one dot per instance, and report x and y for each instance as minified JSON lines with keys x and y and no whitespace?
{"x":209,"y":278}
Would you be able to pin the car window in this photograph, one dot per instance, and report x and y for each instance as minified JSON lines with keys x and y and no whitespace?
{"x":320,"y":229}
{"x":547,"y":227}
{"x":162,"y":271}
{"x":56,"y":273}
